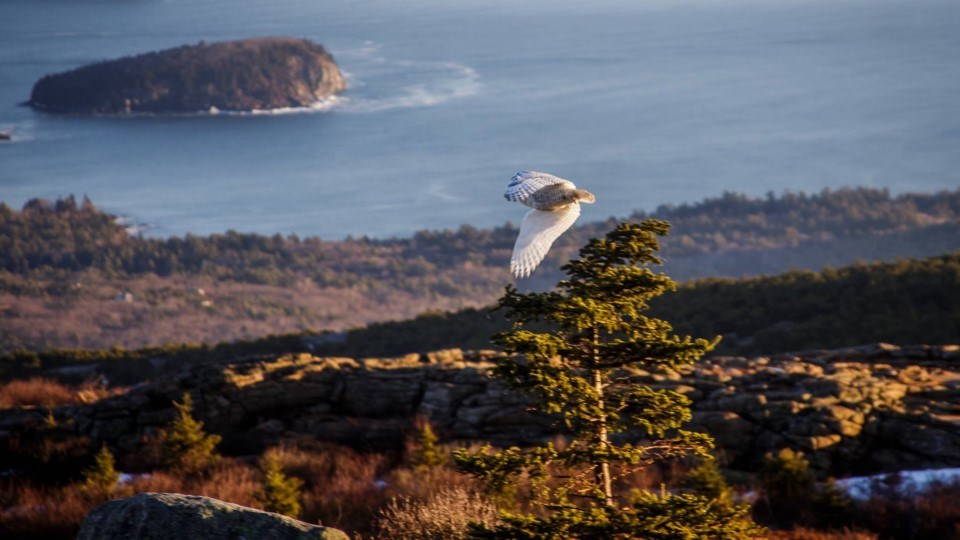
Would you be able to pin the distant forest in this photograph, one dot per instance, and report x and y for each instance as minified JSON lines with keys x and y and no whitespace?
{"x":63,"y":235}
{"x":72,"y":276}
{"x":905,"y":302}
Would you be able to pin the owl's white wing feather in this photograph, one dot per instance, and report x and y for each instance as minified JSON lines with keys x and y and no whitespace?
{"x":525,"y":183}
{"x":537,"y":233}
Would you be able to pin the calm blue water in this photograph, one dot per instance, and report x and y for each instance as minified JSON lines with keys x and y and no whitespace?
{"x":643,"y":103}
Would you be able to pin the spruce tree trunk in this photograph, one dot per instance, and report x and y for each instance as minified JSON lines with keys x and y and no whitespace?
{"x":602,"y":470}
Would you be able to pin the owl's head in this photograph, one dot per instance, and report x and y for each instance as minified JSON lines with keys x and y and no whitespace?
{"x":580,"y":195}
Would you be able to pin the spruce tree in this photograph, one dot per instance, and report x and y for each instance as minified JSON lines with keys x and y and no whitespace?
{"x":185,"y":445}
{"x":102,"y":477}
{"x":788,"y":488}
{"x":425,"y":452}
{"x":707,"y":480}
{"x":279,"y":493}
{"x":579,"y":369}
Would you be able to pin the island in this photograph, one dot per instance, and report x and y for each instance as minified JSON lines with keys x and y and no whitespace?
{"x":244,"y":75}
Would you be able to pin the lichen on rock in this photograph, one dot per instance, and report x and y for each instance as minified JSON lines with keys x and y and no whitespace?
{"x":173,"y":516}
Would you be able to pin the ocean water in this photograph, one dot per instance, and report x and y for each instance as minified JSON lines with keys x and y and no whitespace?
{"x":643,"y":103}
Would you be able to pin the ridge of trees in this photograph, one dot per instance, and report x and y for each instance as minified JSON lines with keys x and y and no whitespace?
{"x":907,"y":301}
{"x":64,"y":236}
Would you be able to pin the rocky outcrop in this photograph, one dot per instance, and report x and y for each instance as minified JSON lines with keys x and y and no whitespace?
{"x":245,"y":75}
{"x":172,"y":516}
{"x":866,"y":409}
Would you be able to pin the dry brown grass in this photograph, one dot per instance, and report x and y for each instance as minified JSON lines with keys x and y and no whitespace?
{"x":421,"y":484}
{"x":28,"y":510}
{"x":931,"y":513}
{"x":163,"y":311}
{"x":812,"y":534}
{"x":444,"y":515}
{"x":36,"y":392}
{"x":31,"y":511}
{"x":345,"y":488}
{"x":360,"y":492}
{"x":342,"y":487}
{"x":44,"y":392}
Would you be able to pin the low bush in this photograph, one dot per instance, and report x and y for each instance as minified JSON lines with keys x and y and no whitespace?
{"x":446,"y":514}
{"x":46,"y":392}
{"x":36,"y":392}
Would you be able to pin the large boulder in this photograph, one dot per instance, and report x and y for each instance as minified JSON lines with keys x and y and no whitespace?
{"x":173,"y":516}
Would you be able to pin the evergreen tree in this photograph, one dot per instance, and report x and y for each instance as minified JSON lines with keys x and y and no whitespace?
{"x":832,"y":506}
{"x":102,"y":477}
{"x":788,"y":488}
{"x":185,"y":445}
{"x":580,"y":371}
{"x":279,"y":493}
{"x":706,"y":479}
{"x":426,"y":452}
{"x":786,"y":475}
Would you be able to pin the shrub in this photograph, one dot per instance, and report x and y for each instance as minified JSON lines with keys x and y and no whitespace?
{"x":706,"y":480}
{"x":35,"y":392}
{"x":831,"y":505}
{"x":34,"y":511}
{"x":446,"y":515}
{"x":902,"y":513}
{"x":786,"y":474}
{"x":45,"y":392}
{"x":788,"y":488}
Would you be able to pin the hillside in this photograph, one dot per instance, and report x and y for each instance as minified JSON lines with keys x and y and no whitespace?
{"x":859,"y":410}
{"x":244,"y":75}
{"x":908,"y":301}
{"x":65,"y":266}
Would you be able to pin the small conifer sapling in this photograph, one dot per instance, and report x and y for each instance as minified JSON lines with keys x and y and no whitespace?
{"x":102,"y":477}
{"x":185,"y":445}
{"x":425,"y":452}
{"x":279,"y":493}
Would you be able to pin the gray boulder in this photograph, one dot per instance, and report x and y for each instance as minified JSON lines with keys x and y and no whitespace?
{"x":173,"y":516}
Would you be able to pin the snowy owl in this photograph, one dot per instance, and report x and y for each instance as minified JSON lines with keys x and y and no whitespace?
{"x":556,"y":205}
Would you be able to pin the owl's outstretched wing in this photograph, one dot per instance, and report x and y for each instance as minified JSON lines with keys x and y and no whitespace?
{"x":525,"y":183}
{"x":537,"y":232}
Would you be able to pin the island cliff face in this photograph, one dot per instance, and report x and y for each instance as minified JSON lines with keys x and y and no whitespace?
{"x":244,"y":75}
